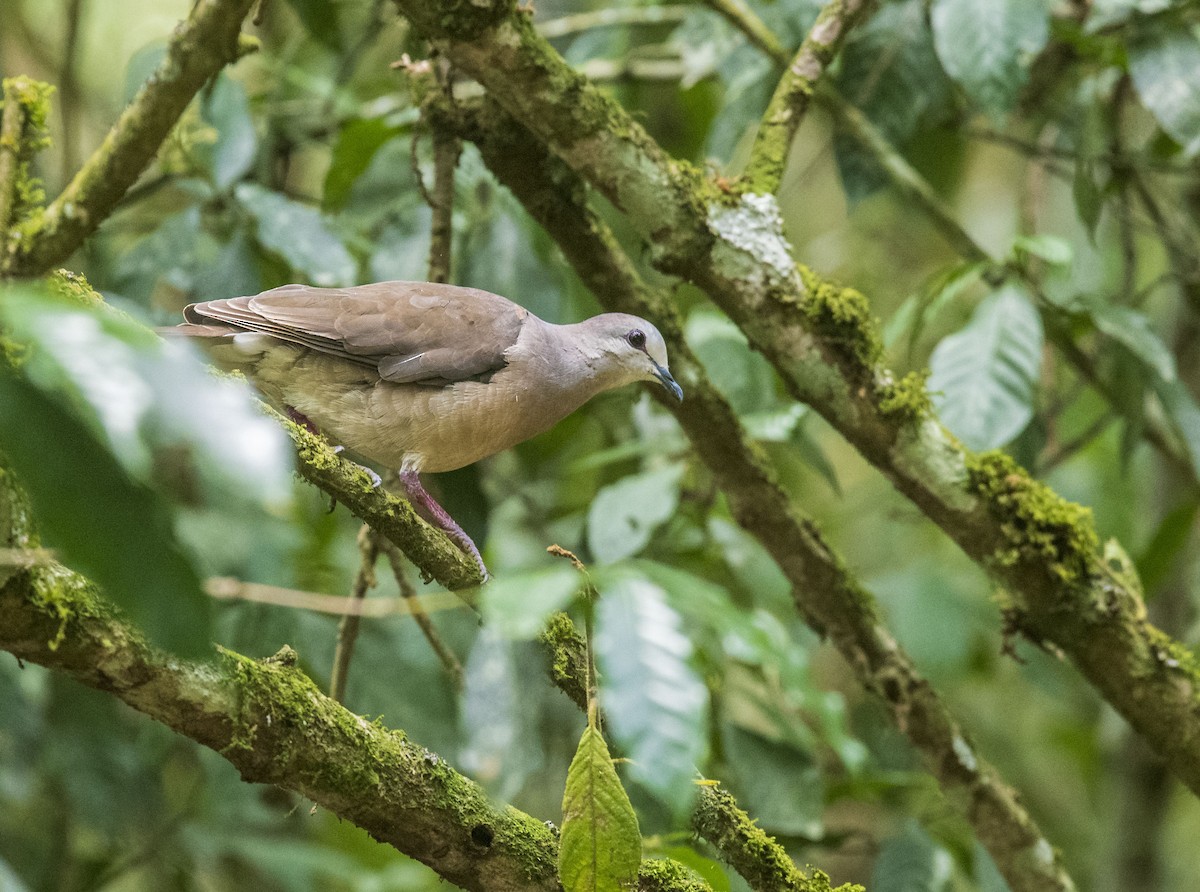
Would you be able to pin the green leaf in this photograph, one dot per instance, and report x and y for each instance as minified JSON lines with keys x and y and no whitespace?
{"x":1105,"y":13}
{"x":357,"y":143}
{"x":101,"y":522}
{"x":1184,"y":414}
{"x":657,"y":705}
{"x":600,"y":848}
{"x":492,"y":716}
{"x":911,"y":863}
{"x":938,"y":292}
{"x":1165,"y":64}
{"x":1132,"y":330}
{"x":983,"y":377}
{"x":778,"y":783}
{"x":227,"y":109}
{"x":1168,"y":541}
{"x":299,"y":234}
{"x":1050,"y":248}
{"x":624,"y":515}
{"x":1088,"y":195}
{"x":517,"y":605}
{"x":986,"y":46}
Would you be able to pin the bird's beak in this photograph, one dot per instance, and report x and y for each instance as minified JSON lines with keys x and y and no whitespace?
{"x":668,"y":382}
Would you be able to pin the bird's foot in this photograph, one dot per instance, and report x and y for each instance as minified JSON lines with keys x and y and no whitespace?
{"x":428,"y":508}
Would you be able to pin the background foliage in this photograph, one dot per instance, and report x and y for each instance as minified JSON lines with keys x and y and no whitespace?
{"x":1066,"y":147}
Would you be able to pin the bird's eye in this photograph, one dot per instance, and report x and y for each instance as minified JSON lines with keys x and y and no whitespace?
{"x":636,"y":338}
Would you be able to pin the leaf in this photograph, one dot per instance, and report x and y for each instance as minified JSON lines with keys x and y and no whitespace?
{"x":357,"y":144}
{"x":1132,"y":330}
{"x":910,"y":863}
{"x":1088,"y":195}
{"x":600,"y":848}
{"x":1165,"y":64}
{"x":492,"y":716}
{"x":986,"y":46}
{"x":227,"y":109}
{"x":1050,"y":248}
{"x":937,"y":292}
{"x":517,"y":606}
{"x":656,"y":704}
{"x":1181,"y":408}
{"x":100,"y":521}
{"x":107,"y":408}
{"x":983,"y":377}
{"x":624,"y":515}
{"x":1105,"y":13}
{"x":1172,"y":535}
{"x":778,"y":783}
{"x":299,"y":234}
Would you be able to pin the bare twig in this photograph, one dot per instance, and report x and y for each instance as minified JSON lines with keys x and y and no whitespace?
{"x":742,"y":17}
{"x":446,"y":149}
{"x":612,"y":17}
{"x":423,"y":620}
{"x":347,"y":634}
{"x":226,"y":588}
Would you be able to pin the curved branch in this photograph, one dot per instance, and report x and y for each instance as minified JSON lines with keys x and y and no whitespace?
{"x":824,"y":343}
{"x":826,"y":595}
{"x":200,"y":47}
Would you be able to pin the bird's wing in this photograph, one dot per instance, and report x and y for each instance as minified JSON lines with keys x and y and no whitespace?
{"x":411,"y":332}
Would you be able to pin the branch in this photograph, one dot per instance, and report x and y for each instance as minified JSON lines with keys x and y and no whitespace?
{"x":200,"y":47}
{"x":830,"y":600}
{"x":792,"y":96}
{"x":22,"y":133}
{"x":824,"y":343}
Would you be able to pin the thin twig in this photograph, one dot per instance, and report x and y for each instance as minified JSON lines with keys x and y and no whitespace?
{"x":449,"y":659}
{"x":742,"y":17}
{"x":1063,"y":451}
{"x":612,"y":17}
{"x":446,"y":149}
{"x":226,"y":588}
{"x":12,"y":131}
{"x":364,"y":580}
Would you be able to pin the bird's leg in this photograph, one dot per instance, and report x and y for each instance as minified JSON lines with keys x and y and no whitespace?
{"x":428,"y":508}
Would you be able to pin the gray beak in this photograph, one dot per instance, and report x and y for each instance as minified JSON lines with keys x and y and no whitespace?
{"x":668,"y":382}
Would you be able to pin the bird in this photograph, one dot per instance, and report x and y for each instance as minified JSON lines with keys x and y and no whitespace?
{"x":423,"y":377}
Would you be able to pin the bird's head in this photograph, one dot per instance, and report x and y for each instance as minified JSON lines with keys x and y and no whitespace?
{"x":633,"y":349}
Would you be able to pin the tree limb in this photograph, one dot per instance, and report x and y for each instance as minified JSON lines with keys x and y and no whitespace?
{"x":826,"y":595}
{"x":824,"y":343}
{"x":207,"y":41}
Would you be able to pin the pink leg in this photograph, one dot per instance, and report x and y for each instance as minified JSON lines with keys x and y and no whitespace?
{"x":428,"y":508}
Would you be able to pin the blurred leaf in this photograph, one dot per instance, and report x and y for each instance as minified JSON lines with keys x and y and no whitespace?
{"x":141,"y":65}
{"x":600,"y":847}
{"x":227,"y":109}
{"x":1050,"y":248}
{"x":517,"y":606}
{"x":1168,"y":541}
{"x":910,"y":863}
{"x":624,"y":515}
{"x":987,"y":876}
{"x":656,"y":704}
{"x":357,"y":144}
{"x":1184,"y":414}
{"x":1089,"y":197}
{"x":983,"y":377}
{"x":299,"y":234}
{"x":320,"y":19}
{"x":9,"y":881}
{"x":706,"y":868}
{"x":988,"y":45}
{"x":493,"y":718}
{"x":890,"y":71}
{"x":131,"y":552}
{"x":1164,"y":61}
{"x":402,"y":250}
{"x":1132,"y":330}
{"x":1105,"y":13}
{"x":936,"y":293}
{"x":776,"y":782}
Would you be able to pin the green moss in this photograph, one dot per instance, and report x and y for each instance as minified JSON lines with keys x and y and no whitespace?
{"x":907,"y":398}
{"x":843,"y":320}
{"x":1172,"y":653}
{"x":1037,"y":523}
{"x":68,"y":596}
{"x":75,"y":288}
{"x":34,"y":99}
{"x":663,"y":873}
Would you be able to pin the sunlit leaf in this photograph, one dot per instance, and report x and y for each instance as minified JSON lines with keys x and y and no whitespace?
{"x":300,"y":235}
{"x":1165,"y":65}
{"x":517,"y":605}
{"x":656,"y":704}
{"x":624,"y":515}
{"x":983,"y":377}
{"x":988,"y":45}
{"x":600,"y":847}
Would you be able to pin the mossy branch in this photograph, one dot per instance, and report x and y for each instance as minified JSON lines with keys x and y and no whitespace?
{"x":826,"y":595}
{"x":824,"y":342}
{"x":22,"y":135}
{"x":207,"y":41}
{"x":793,"y":95}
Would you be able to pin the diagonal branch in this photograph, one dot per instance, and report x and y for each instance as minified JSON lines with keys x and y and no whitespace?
{"x":824,"y":343}
{"x":207,"y":41}
{"x":826,"y":595}
{"x":794,"y":93}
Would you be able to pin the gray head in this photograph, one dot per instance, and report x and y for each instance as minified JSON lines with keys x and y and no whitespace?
{"x":629,"y":349}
